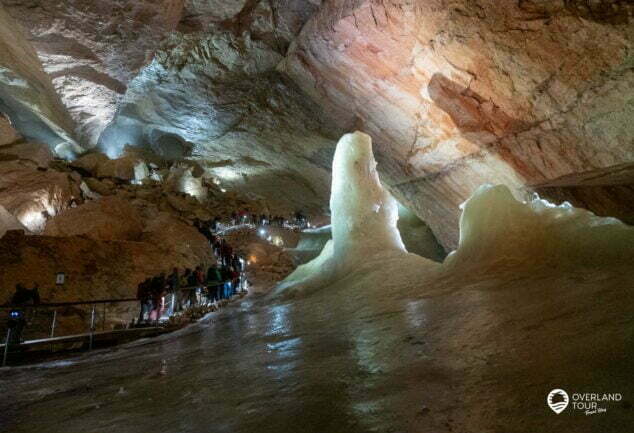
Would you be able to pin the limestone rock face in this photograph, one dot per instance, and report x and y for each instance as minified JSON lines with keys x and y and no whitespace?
{"x":27,"y":95}
{"x":274,"y":22}
{"x":109,"y":218}
{"x":458,"y":95}
{"x":177,"y":239}
{"x":36,"y":153}
{"x":8,"y":134}
{"x":35,"y":195}
{"x":217,"y":99}
{"x":92,"y":49}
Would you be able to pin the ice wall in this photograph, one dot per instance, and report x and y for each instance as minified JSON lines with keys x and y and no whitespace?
{"x":418,"y":237}
{"x":498,"y":230}
{"x":311,"y":243}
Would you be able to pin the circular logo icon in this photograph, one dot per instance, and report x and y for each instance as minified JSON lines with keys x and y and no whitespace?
{"x":557,"y":400}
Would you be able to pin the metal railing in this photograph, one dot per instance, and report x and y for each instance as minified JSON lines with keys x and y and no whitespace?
{"x":39,"y":322}
{"x":42,"y":327}
{"x":222,"y":228}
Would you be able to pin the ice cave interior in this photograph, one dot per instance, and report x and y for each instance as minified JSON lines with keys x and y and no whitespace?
{"x":316,"y":216}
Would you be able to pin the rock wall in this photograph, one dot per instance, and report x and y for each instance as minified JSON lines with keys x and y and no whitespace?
{"x":460,"y":93}
{"x":27,"y":95}
{"x":34,"y":194}
{"x":217,"y":99}
{"x":92,"y":49}
{"x":109,"y":218}
{"x":533,"y":94}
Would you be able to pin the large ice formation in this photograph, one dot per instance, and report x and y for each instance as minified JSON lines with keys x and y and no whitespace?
{"x":416,"y":237}
{"x":496,"y":229}
{"x":363,"y":214}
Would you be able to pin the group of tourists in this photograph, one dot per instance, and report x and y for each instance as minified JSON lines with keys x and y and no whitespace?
{"x":181,"y":289}
{"x":246,"y":217}
{"x":208,"y":227}
{"x":169,"y":294}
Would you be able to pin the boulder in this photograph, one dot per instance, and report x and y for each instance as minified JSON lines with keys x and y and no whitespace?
{"x":100,"y":187}
{"x":87,"y":192}
{"x":121,"y":168}
{"x":179,"y":203}
{"x":38,"y":153}
{"x":127,"y":168}
{"x":109,"y":218}
{"x":89,"y":162}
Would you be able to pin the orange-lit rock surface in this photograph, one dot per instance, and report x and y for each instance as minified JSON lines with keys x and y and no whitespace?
{"x":460,"y":94}
{"x":109,"y":218}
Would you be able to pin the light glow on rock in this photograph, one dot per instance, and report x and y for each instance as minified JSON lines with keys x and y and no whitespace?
{"x":226,"y":173}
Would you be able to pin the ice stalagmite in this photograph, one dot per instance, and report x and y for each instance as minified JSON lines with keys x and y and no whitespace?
{"x":363,"y":215}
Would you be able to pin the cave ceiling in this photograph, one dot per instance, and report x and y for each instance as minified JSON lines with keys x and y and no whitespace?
{"x":537,"y":95}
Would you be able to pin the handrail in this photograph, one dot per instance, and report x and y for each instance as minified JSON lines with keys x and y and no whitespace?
{"x":66,"y":304}
{"x":92,"y":329}
{"x":96,"y":301}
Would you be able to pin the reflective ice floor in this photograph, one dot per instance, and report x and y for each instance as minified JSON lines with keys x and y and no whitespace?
{"x":477,"y":354}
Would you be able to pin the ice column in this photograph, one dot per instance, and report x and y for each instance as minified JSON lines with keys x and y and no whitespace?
{"x":363,"y":218}
{"x":364,"y":214}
